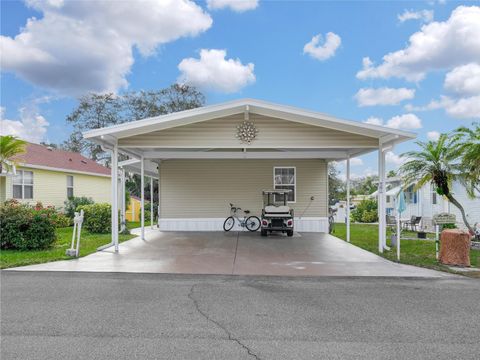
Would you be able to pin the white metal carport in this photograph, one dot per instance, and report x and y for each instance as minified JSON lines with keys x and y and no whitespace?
{"x":145,"y":155}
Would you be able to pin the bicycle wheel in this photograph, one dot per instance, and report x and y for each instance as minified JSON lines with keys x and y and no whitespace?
{"x":228,"y":224}
{"x":252,"y":223}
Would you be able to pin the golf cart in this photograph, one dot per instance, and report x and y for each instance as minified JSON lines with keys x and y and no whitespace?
{"x":276,"y":214}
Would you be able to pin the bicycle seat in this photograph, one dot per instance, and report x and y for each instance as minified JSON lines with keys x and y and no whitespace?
{"x":246,"y":211}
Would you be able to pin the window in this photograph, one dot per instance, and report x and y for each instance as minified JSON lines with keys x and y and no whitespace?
{"x":69,"y":186}
{"x":23,"y":185}
{"x":285,"y":178}
{"x":434,"y":194}
{"x":411,"y":195}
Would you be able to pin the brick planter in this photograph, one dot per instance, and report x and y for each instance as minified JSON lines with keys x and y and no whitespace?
{"x":455,"y":247}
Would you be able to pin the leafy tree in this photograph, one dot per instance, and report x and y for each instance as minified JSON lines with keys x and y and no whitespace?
{"x":436,"y":162}
{"x":10,"y":149}
{"x":336,"y":187}
{"x":391,"y":174}
{"x":99,"y":110}
{"x":466,"y":146}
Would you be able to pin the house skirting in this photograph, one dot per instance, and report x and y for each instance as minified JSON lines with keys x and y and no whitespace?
{"x":305,"y":224}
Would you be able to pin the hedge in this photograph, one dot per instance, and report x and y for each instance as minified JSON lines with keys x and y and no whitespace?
{"x":97,"y":218}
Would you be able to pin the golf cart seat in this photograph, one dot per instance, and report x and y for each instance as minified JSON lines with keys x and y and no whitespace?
{"x":272,"y":209}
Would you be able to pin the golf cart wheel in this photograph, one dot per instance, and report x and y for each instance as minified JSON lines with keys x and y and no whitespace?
{"x":263,"y":232}
{"x":253,"y":223}
{"x":289,"y":232}
{"x":228,"y":224}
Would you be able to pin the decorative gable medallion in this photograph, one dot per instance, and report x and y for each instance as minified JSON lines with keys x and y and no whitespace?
{"x":246,"y":132}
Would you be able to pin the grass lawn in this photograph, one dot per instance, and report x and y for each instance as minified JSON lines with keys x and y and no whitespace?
{"x":88,"y":244}
{"x":136,"y":224}
{"x":413,"y":252}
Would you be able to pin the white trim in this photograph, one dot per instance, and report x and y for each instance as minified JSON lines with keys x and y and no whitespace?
{"x":294,"y":181}
{"x":41,"y":167}
{"x":305,"y":224}
{"x":236,"y":107}
{"x":246,"y":155}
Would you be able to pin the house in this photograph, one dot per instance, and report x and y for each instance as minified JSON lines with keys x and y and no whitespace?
{"x":425,"y":202}
{"x":132,"y":213}
{"x":52,"y":175}
{"x":208,"y":157}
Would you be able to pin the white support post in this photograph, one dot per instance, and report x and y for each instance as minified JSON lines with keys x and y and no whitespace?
{"x":124,"y":205}
{"x":159,"y":196}
{"x":151,"y":203}
{"x":115,"y":196}
{"x":384,"y":202}
{"x":142,"y":197}
{"x":348,"y":199}
{"x":380,"y":198}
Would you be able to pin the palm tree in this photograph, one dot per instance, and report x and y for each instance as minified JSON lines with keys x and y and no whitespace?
{"x":10,"y":148}
{"x":467,"y":146}
{"x":436,"y":162}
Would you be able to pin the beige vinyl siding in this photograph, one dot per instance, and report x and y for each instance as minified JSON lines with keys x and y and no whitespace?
{"x":50,"y":187}
{"x":204,"y":188}
{"x":220,"y":133}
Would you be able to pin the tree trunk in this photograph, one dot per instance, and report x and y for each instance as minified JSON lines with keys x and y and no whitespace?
{"x":460,"y":207}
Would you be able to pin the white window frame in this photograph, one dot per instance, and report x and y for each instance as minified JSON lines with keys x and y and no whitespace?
{"x":72,"y":187}
{"x":434,"y":195}
{"x":294,"y":181}
{"x":23,"y":185}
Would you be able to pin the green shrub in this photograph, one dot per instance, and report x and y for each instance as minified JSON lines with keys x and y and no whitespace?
{"x":24,"y":227}
{"x":449,"y":226}
{"x":97,"y":218}
{"x":59,"y":219}
{"x":365,"y":212}
{"x":72,"y":204}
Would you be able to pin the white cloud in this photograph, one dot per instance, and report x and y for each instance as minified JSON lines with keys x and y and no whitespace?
{"x":405,"y":121}
{"x":464,"y":80}
{"x":425,"y":16}
{"x":80,"y":46}
{"x":235,"y":5}
{"x":356,"y":162}
{"x":392,"y":158}
{"x":374,"y":121}
{"x":433,"y":135}
{"x":463,"y":108}
{"x":213,"y":72}
{"x":437,"y":46}
{"x":322,"y":51}
{"x":383,"y":96}
{"x":31,"y":126}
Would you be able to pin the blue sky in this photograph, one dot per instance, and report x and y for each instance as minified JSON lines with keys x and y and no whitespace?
{"x":107,"y":46}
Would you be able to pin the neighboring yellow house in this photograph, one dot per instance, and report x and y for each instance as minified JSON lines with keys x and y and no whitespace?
{"x":51,"y":176}
{"x":133,"y":211}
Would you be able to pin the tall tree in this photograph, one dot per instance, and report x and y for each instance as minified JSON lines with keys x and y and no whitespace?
{"x":336,"y":187}
{"x":11,"y":148}
{"x":435,"y":162}
{"x":466,"y":144}
{"x":99,"y":110}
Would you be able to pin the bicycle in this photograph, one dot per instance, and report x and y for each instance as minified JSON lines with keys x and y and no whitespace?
{"x":252,"y":223}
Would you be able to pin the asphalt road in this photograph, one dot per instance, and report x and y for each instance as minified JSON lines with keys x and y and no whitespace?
{"x":142,"y":316}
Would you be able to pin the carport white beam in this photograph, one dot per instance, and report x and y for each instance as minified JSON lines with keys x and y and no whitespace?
{"x":245,"y":155}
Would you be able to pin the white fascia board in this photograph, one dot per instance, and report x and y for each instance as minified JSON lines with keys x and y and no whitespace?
{"x":238,"y":106}
{"x":41,"y":167}
{"x":245,"y":155}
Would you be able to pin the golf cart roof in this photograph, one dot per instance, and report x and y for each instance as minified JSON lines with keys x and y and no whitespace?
{"x":277,"y":192}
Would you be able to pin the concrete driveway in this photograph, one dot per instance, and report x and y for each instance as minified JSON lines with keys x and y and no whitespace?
{"x":238,"y":253}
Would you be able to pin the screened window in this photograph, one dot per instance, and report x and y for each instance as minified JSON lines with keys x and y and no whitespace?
{"x":285,"y":178}
{"x":434,"y":195}
{"x":23,"y":185}
{"x":69,"y":186}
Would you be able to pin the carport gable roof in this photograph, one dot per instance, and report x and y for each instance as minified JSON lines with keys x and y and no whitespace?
{"x":112,"y":133}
